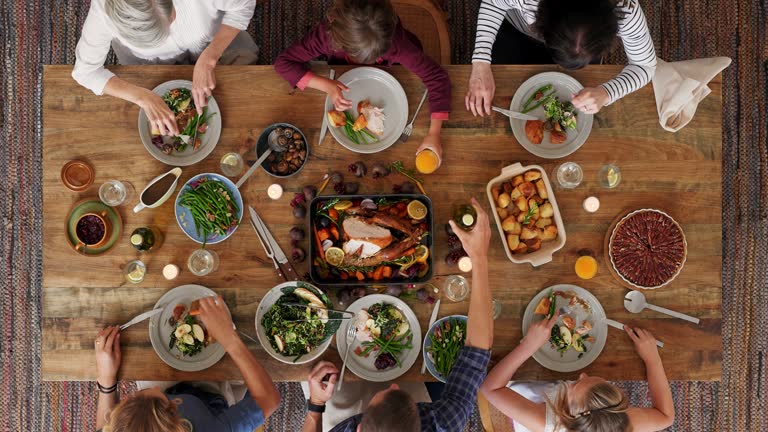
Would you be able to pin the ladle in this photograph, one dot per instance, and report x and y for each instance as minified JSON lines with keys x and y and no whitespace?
{"x":635,"y":302}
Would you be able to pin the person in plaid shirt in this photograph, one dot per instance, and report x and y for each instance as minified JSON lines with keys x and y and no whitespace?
{"x":392,"y":409}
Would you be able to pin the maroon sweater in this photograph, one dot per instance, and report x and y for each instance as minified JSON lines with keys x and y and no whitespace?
{"x":406,"y":50}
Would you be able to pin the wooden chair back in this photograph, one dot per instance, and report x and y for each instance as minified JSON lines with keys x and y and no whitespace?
{"x":429,"y":23}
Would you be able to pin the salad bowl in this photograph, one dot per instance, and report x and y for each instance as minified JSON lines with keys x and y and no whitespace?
{"x":187,"y":222}
{"x":427,"y":345}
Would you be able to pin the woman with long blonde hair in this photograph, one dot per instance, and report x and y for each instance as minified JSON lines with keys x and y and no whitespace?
{"x":589,"y":404}
{"x":183,"y":407}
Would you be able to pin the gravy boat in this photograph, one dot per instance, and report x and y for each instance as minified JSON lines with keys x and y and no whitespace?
{"x":176,"y":172}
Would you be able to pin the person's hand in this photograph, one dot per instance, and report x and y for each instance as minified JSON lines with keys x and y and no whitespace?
{"x":161,"y":118}
{"x":645,"y":343}
{"x":214,"y":315}
{"x":590,"y":100}
{"x":335,"y":89}
{"x":475,"y":242}
{"x":432,"y":142}
{"x":481,"y":89}
{"x":203,"y":81}
{"x":539,"y":333}
{"x":321,"y":392}
{"x":108,"y":356}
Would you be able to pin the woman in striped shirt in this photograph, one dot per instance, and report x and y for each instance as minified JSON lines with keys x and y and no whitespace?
{"x":569,"y":33}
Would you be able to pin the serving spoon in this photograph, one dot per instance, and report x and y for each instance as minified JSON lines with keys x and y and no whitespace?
{"x":635,"y":302}
{"x":274,"y":146}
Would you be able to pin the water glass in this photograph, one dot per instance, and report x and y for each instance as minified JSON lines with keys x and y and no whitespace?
{"x":568,"y":175}
{"x":232,"y":164}
{"x":114,"y":192}
{"x":134,"y":271}
{"x":609,"y":176}
{"x":456,"y":288}
{"x":202,"y":262}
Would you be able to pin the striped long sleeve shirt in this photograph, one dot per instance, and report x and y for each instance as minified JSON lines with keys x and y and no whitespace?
{"x":633,"y":32}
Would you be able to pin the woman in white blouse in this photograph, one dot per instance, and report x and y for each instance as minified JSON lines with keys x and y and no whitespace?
{"x":569,"y":33}
{"x":162,"y":32}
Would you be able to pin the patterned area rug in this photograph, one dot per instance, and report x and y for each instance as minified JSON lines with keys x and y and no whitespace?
{"x":35,"y":33}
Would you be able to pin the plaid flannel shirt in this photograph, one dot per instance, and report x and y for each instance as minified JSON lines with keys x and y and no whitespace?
{"x":452,"y":411}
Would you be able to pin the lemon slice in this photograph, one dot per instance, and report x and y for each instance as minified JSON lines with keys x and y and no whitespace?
{"x":334,"y":256}
{"x":421,"y":254}
{"x":417,"y":210}
{"x":342,"y":205}
{"x":409,"y":263}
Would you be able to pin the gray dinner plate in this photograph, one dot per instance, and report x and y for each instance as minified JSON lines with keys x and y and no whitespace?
{"x":189,"y":156}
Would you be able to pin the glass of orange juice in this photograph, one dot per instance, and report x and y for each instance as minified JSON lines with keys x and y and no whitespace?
{"x":586,"y":267}
{"x":427,"y":161}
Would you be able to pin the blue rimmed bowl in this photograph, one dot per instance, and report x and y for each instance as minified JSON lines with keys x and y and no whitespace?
{"x":187,"y":222}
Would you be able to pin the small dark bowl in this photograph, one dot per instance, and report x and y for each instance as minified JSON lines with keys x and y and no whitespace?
{"x":263,"y":144}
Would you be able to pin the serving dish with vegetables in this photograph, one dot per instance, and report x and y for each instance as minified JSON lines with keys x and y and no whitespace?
{"x":198,"y":134}
{"x":296,"y":334}
{"x":370,"y":239}
{"x":526,"y":214}
{"x":442,"y":344}
{"x":578,"y":336}
{"x":209,"y":208}
{"x":178,"y":337}
{"x":387,"y":340}
{"x":560,"y":130}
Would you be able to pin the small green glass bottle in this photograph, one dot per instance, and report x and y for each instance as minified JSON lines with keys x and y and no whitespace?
{"x":145,"y":239}
{"x":465,"y":216}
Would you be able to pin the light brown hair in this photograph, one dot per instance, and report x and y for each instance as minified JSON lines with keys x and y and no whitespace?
{"x":395,"y":412}
{"x":603,"y":408}
{"x":142,"y":413}
{"x":363,"y":29}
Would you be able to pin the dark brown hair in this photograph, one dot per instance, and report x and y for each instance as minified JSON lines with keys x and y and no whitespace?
{"x":601,"y":409}
{"x":362,"y":28}
{"x":396,"y":412}
{"x":577,"y":32}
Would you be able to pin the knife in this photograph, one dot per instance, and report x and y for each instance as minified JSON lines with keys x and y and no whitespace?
{"x":288,"y":272}
{"x":141,"y":317}
{"x":620,"y":326}
{"x":432,"y":320}
{"x":267,"y":249}
{"x":324,"y":127}
{"x":514,"y":114}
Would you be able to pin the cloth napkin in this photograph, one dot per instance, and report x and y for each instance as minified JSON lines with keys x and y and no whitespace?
{"x":680,"y":86}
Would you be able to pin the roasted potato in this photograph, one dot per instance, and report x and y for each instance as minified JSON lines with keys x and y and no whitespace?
{"x":533,"y":244}
{"x":546,"y":210}
{"x":515,"y":193}
{"x":549,"y":233}
{"x":503,"y":200}
{"x":521,"y":248}
{"x":503,"y":213}
{"x":360,"y":124}
{"x":510,"y":225}
{"x":495,"y":191}
{"x":521,"y":203}
{"x":336,"y":118}
{"x":543,"y":222}
{"x":541,"y":188}
{"x":527,"y":189}
{"x":516,"y":180}
{"x":531,"y":175}
{"x":529,"y":233}
{"x":537,"y":199}
{"x":513,"y":241}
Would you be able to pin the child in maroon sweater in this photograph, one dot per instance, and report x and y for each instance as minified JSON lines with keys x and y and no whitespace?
{"x":367,"y":32}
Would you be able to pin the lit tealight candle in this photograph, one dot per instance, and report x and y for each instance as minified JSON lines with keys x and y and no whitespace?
{"x":170,"y":271}
{"x":275,"y":191}
{"x":465,"y":264}
{"x":591,"y":204}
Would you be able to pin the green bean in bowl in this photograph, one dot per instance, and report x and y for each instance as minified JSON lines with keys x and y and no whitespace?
{"x":209,"y":208}
{"x":442,"y":344}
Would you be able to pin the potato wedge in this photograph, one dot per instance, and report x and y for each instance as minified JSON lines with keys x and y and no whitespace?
{"x":529,"y":233}
{"x":515,"y":194}
{"x":521,"y":248}
{"x":531,"y":175}
{"x":521,"y":203}
{"x":541,"y":188}
{"x":546,"y":210}
{"x":527,"y":189}
{"x":513,"y":241}
{"x":495,"y":191}
{"x":503,"y":213}
{"x":503,"y":200}
{"x":510,"y":225}
{"x":543,"y":222}
{"x":533,"y":244}
{"x":516,"y":180}
{"x":549,"y":233}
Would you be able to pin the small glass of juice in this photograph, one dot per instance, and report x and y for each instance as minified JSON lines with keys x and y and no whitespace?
{"x":586,"y":267}
{"x":427,"y":161}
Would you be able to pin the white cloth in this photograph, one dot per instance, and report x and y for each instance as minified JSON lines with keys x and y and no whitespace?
{"x":680,"y":86}
{"x":232,"y":391}
{"x":537,"y":392}
{"x":195,"y":25}
{"x":354,"y":397}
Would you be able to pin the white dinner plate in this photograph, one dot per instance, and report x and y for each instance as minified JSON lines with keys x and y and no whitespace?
{"x":364,"y":367}
{"x":189,"y":156}
{"x":570,"y":361}
{"x":564,"y":86}
{"x":160,"y":331}
{"x":383,"y":91}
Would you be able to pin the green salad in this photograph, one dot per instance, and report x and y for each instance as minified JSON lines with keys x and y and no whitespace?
{"x":294,"y":331}
{"x":188,"y":336}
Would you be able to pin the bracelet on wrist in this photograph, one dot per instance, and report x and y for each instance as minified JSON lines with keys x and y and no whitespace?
{"x":314,"y":407}
{"x":106,"y":390}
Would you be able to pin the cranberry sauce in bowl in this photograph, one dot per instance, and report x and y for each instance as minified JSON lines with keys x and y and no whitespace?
{"x":91,"y":229}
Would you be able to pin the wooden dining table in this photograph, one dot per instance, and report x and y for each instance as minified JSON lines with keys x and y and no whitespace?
{"x":677,"y":172}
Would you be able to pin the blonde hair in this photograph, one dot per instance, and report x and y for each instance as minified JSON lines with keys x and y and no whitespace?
{"x":144,"y":23}
{"x":142,"y":413}
{"x":363,"y":29}
{"x":603,"y":408}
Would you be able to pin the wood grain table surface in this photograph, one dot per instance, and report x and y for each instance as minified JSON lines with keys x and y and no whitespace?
{"x":678,"y":172}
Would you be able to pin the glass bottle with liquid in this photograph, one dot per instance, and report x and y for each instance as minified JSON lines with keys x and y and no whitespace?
{"x":465,"y":216}
{"x":145,"y":239}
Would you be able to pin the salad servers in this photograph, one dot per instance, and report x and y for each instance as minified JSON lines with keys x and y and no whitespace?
{"x":635,"y":302}
{"x":409,"y":128}
{"x":351,"y":333}
{"x":311,"y":306}
{"x":274,"y":146}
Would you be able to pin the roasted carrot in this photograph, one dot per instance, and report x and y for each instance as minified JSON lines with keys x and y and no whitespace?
{"x":318,"y":243}
{"x":410,"y":251}
{"x":334,"y":232}
{"x":323,"y":235}
{"x":344,"y":276}
{"x":386,"y":272}
{"x":360,"y":276}
{"x":333,"y":214}
{"x":378,"y":273}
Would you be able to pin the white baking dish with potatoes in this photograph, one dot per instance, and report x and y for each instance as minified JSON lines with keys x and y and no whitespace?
{"x":526,"y":214}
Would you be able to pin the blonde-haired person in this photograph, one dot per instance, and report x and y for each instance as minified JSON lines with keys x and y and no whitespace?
{"x":184,"y":408}
{"x":589,"y":404}
{"x":203,"y":32}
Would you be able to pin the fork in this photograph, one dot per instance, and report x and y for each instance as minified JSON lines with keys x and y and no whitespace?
{"x":409,"y":128}
{"x":351,"y":332}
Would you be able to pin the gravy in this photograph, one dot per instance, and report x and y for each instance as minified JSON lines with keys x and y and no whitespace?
{"x":158,"y":189}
